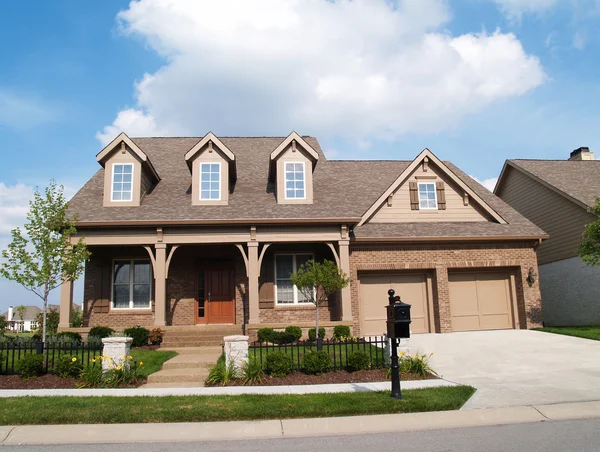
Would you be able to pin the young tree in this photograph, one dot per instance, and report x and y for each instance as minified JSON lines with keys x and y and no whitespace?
{"x":3,"y":325}
{"x":77,"y":319}
{"x":52,"y":320}
{"x":317,"y":281}
{"x":589,"y":249}
{"x":21,"y":312}
{"x":44,"y":258}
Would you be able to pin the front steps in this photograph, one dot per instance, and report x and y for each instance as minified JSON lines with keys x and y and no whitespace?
{"x":188,"y":369}
{"x":198,"y":336}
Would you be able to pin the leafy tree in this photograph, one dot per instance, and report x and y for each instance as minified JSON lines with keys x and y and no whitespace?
{"x":21,"y":310}
{"x":3,"y":325}
{"x":52,"y":321}
{"x":77,"y":319}
{"x":44,"y":258}
{"x":317,"y":281}
{"x":589,"y":249}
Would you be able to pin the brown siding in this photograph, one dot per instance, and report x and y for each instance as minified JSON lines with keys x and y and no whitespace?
{"x":562,"y":219}
{"x":516,"y":257}
{"x":451,"y":207}
{"x":146,"y":183}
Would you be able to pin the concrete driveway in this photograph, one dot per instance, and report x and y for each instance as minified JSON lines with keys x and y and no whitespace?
{"x":516,"y":367}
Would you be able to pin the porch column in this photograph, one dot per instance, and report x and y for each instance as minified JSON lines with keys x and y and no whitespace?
{"x":253,"y":274}
{"x":344,"y":246}
{"x":160,"y":285}
{"x":66,"y":305}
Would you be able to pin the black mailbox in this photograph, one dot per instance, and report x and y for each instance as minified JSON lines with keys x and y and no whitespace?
{"x":398,"y":317}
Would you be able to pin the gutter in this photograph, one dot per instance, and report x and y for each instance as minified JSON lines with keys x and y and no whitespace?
{"x":537,"y":238}
{"x":219,"y":222}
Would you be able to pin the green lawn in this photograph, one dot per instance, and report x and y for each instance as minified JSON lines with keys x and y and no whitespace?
{"x":23,"y":335}
{"x":117,"y":410}
{"x":585,"y":332}
{"x":337,"y":352}
{"x":152,"y":359}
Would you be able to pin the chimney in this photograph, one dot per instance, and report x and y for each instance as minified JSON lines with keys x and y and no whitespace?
{"x":11,"y":313}
{"x":582,"y":154}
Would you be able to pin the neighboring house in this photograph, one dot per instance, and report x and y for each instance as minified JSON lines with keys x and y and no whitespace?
{"x":28,"y":323}
{"x":555,"y":195}
{"x":201,"y":231}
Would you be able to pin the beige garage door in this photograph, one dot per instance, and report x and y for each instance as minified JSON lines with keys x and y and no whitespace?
{"x":480,"y":301}
{"x":412,"y":289}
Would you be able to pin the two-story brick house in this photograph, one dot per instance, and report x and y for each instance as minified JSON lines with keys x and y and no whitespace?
{"x":202,"y":231}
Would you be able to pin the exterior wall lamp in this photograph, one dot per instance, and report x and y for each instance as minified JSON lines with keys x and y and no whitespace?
{"x":531,"y":276}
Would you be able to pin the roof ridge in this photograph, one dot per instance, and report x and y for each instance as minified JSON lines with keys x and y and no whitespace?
{"x":219,"y":136}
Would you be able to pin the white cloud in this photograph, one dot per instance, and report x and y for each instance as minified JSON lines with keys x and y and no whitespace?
{"x":14,"y":204}
{"x":22,"y":111}
{"x":490,"y":183}
{"x":516,"y":8}
{"x":361,"y":69}
{"x":579,"y":40}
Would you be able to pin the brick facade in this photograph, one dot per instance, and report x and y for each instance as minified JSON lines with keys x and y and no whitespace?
{"x":517,"y":257}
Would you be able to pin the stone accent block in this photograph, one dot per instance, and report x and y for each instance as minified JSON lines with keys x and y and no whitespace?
{"x":236,"y":350}
{"x":116,"y":348}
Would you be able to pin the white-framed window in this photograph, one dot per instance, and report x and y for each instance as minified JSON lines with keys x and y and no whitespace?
{"x":427,"y":195}
{"x":132,"y":284}
{"x":210,"y":181}
{"x":122,"y":182}
{"x":287,"y":293}
{"x":295,"y":187}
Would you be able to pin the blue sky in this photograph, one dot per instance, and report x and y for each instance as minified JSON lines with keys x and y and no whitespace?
{"x":476,"y":81}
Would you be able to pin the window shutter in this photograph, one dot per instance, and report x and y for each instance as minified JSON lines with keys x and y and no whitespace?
{"x":441,"y":195}
{"x":413,"y":189}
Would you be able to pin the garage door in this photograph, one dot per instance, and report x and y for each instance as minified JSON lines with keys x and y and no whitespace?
{"x":412,"y":288}
{"x":480,"y":301}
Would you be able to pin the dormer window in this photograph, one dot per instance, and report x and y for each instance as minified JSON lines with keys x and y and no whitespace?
{"x":427,"y":195}
{"x":294,"y":180}
{"x":210,"y":181}
{"x":122,"y":182}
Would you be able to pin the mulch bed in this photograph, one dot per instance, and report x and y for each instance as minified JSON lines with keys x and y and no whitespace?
{"x":362,"y":376}
{"x":48,"y":381}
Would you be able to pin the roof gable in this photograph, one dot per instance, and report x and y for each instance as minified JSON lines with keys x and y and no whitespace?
{"x":210,"y":139}
{"x":427,"y":156}
{"x":123,"y":140}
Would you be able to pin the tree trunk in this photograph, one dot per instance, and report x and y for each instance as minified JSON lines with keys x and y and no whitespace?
{"x":44,"y":318}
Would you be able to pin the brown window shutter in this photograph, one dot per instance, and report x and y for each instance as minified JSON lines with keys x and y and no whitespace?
{"x":413,"y":189}
{"x":441,"y":195}
{"x":266,"y":284}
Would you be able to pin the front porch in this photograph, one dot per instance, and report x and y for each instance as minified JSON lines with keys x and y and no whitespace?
{"x":200,"y":278}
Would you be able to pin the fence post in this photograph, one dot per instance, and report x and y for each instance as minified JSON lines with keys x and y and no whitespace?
{"x":236,"y":351}
{"x":117,"y":349}
{"x":39,"y":348}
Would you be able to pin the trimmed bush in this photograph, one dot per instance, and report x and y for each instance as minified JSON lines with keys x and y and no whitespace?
{"x":71,"y":336}
{"x":139,"y":335}
{"x":156,"y":336}
{"x":101,"y":331}
{"x":341,"y":332}
{"x":359,"y":360}
{"x":30,"y":366}
{"x":264,"y":334}
{"x":68,"y":367}
{"x":282,"y":337}
{"x":313,"y":337}
{"x":316,"y":363}
{"x":296,"y":331}
{"x":279,"y":364}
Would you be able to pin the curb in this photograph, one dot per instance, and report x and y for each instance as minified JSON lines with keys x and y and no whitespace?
{"x":291,"y":428}
{"x":228,"y":390}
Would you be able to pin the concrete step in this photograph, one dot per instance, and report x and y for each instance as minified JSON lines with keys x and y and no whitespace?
{"x":195,"y":375}
{"x":192,"y":361}
{"x":217,"y":350}
{"x":189,"y":384}
{"x":191,"y":343}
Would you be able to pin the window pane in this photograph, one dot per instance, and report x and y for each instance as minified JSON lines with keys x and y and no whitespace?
{"x":299,"y":193}
{"x":117,"y":187}
{"x":118,"y":169}
{"x":205,"y":185}
{"x":214,"y":168}
{"x":141,"y":272}
{"x":214,"y":186}
{"x":289,"y":176}
{"x":299,"y":167}
{"x":214,"y":195}
{"x":122,"y":270}
{"x":141,"y":295}
{"x":300,"y":184}
{"x":116,"y":196}
{"x":214,"y":176}
{"x":121,"y":296}
{"x":284,"y":266}
{"x":289,"y":184}
{"x":127,"y":169}
{"x":205,"y":177}
{"x":126,"y":177}
{"x":289,"y":194}
{"x":205,"y":194}
{"x":285,"y":291}
{"x":205,"y":168}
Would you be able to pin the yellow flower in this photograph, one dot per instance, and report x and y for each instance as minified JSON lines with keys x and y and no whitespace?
{"x":141,"y":363}
{"x":93,"y":360}
{"x":129,"y":358}
{"x":420,"y":358}
{"x":74,"y":359}
{"x":118,"y":367}
{"x":401,"y":353}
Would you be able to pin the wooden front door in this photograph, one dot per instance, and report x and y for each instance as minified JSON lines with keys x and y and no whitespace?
{"x":215,"y":298}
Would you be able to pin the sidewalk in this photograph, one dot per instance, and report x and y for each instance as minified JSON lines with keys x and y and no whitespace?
{"x":290,"y":428}
{"x":227,"y":390}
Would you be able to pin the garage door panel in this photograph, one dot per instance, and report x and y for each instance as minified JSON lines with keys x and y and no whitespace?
{"x":373,"y":298}
{"x":480,"y":301}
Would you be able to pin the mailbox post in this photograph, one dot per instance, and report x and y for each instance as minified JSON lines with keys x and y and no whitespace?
{"x":398,"y":326}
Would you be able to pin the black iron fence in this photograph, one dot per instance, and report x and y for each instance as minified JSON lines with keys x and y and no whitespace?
{"x":12,"y":351}
{"x":338,"y":351}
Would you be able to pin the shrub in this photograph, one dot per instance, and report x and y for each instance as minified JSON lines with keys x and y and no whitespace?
{"x":139,"y":335}
{"x":416,"y":364}
{"x":30,"y":366}
{"x":221,"y":373}
{"x":68,"y":367}
{"x":313,"y":337}
{"x":252,"y":371}
{"x":1,"y":360}
{"x":295,"y":331}
{"x":91,"y":375}
{"x":156,"y":336}
{"x":316,"y":363}
{"x":3,"y":324}
{"x":282,"y":337}
{"x":36,"y":337}
{"x":264,"y":334}
{"x":341,"y":332}
{"x":70,"y":336}
{"x":101,"y":331}
{"x":279,"y":364}
{"x":359,"y":360}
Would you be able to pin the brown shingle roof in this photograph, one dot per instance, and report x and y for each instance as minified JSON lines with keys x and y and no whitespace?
{"x":579,"y":179}
{"x":342,"y":189}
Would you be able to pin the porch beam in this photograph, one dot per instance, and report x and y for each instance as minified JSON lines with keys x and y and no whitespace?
{"x":244,"y":255}
{"x":253,"y":273}
{"x":262,"y":255}
{"x":66,"y":305}
{"x":152,"y":259}
{"x":336,"y":256}
{"x":344,"y":247}
{"x":171,"y":252}
{"x":160,"y":281}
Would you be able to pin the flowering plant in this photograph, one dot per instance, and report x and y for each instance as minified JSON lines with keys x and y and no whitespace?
{"x":156,"y":336}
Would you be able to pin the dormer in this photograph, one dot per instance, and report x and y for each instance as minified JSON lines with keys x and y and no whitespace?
{"x":291,"y":168}
{"x":213,"y":170}
{"x":128,"y":173}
